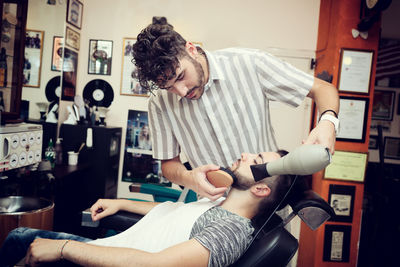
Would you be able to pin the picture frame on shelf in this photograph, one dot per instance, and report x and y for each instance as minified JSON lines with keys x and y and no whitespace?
{"x":75,"y":13}
{"x":383,"y":105}
{"x":33,"y":58}
{"x":56,"y":56}
{"x":72,"y":38}
{"x":391,"y":148}
{"x":100,"y":57}
{"x":353,"y":117}
{"x":355,"y":70}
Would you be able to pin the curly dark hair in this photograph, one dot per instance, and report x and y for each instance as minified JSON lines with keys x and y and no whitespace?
{"x":156,"y":53}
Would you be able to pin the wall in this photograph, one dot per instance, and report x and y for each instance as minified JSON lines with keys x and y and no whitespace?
{"x":288,"y":25}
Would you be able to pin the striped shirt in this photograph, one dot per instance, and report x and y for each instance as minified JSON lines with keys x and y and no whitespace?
{"x":232,"y":116}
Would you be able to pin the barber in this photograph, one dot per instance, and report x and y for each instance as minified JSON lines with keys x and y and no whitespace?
{"x":212,"y":105}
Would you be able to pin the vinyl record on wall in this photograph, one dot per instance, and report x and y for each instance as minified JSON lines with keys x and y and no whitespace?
{"x":53,"y":89}
{"x":99,"y":93}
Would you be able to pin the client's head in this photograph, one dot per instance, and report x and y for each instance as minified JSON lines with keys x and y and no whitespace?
{"x":269,"y":190}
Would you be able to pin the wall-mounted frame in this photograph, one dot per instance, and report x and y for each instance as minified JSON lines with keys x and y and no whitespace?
{"x":70,"y":65}
{"x":391,"y":148}
{"x":33,"y":58}
{"x":347,"y":166}
{"x":139,"y":165}
{"x":74,"y":13}
{"x":100,"y":57}
{"x":383,"y":105}
{"x":353,"y":115}
{"x":355,"y":70}
{"x":337,"y":243}
{"x":373,"y":142}
{"x":129,"y":82}
{"x":341,"y":199}
{"x":56,"y":56}
{"x":72,"y":38}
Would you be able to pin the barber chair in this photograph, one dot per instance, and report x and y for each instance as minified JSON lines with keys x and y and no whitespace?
{"x":273,"y":246}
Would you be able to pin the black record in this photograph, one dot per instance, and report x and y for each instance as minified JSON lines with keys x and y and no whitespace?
{"x":98,"y":93}
{"x":53,"y":89}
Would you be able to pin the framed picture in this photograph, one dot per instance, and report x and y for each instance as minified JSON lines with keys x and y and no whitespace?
{"x":355,"y":70}
{"x":72,"y":38}
{"x":337,"y":243}
{"x":33,"y":58}
{"x":383,"y":105}
{"x":139,"y":165}
{"x":70,"y":65}
{"x":341,"y":199}
{"x":129,"y":82}
{"x":100,"y":57}
{"x":373,"y":142}
{"x":74,"y":13}
{"x":353,"y":115}
{"x":347,"y":166}
{"x":56,"y":56}
{"x":391,"y":147}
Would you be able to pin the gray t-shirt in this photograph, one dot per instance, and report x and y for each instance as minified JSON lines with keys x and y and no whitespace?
{"x":225,"y":234}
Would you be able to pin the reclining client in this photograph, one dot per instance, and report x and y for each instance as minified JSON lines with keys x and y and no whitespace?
{"x":201,"y":233}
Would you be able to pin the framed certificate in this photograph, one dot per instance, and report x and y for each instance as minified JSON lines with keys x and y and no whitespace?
{"x":347,"y":166}
{"x":341,"y":199}
{"x":355,"y":70}
{"x":383,"y":105}
{"x":337,"y":243}
{"x":353,"y":115}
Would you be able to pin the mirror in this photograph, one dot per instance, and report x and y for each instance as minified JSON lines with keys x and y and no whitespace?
{"x":44,"y":39}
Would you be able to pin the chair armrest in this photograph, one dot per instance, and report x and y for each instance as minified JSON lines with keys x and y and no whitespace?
{"x":311,"y":208}
{"x":120,"y":221}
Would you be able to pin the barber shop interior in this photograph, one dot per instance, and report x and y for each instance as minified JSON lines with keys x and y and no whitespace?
{"x":211,"y":133}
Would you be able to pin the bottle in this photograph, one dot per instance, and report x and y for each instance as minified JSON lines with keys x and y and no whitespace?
{"x":3,"y":68}
{"x":50,"y":154}
{"x":58,"y":150}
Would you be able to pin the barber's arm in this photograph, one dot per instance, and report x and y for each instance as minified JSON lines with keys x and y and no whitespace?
{"x":326,"y":98}
{"x":195,"y":179}
{"x":189,"y":253}
{"x":107,"y":207}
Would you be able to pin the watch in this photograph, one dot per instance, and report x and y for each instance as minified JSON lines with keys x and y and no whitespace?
{"x":333,"y":119}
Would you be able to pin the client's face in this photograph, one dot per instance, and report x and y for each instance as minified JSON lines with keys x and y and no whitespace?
{"x":242,"y":171}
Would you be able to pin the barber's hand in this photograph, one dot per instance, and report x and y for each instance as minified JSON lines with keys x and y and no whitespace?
{"x":103,"y":208}
{"x":202,"y":186}
{"x":43,"y":250}
{"x":323,"y":134}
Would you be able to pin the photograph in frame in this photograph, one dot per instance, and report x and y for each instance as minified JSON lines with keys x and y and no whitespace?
{"x":353,"y":116}
{"x":355,"y":70}
{"x":391,"y":148}
{"x":139,"y":165}
{"x":100,"y":57}
{"x":337,"y":243}
{"x":72,"y":38}
{"x":70,"y":65}
{"x":74,"y":13}
{"x":56,"y":58}
{"x":383,"y":105}
{"x":347,"y":166}
{"x":341,"y":199}
{"x":129,"y":80}
{"x":373,"y":142}
{"x":33,"y":58}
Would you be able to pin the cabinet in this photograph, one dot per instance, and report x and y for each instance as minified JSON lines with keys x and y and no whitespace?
{"x":12,"y":43}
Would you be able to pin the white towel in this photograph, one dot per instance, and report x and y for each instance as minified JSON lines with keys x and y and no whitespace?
{"x":167,"y":224}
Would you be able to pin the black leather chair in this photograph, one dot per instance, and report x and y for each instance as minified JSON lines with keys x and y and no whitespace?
{"x":273,"y":246}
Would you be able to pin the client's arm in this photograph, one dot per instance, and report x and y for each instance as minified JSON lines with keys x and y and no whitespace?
{"x":107,"y":207}
{"x":188,"y":253}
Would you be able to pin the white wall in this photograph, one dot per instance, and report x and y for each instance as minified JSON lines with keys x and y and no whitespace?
{"x":289,"y":25}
